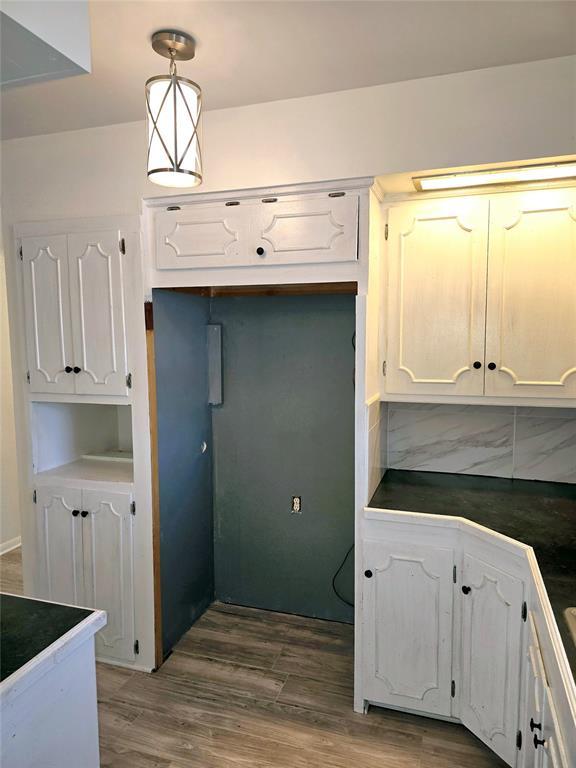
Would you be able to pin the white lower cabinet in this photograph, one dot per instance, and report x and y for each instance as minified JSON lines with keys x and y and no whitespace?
{"x":491,"y":637}
{"x":543,"y":747}
{"x":84,"y":555}
{"x":442,"y":623}
{"x":407,"y":625}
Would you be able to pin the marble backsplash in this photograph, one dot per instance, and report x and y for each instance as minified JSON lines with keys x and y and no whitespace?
{"x":516,"y":442}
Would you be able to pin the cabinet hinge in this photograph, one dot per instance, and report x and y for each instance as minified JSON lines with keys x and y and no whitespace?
{"x":132,"y":507}
{"x":129,"y":381}
{"x":524,"y":611}
{"x":136,"y":647}
{"x":28,"y":376}
{"x":122,"y":246}
{"x":336,"y":194}
{"x":384,"y":368}
{"x":20,"y":253}
{"x":454,"y":574}
{"x":34,"y":497}
{"x":519,"y":739}
{"x":453,"y":689}
{"x":386,"y":232}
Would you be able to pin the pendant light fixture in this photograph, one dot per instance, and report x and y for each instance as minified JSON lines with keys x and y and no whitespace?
{"x":173,"y":105}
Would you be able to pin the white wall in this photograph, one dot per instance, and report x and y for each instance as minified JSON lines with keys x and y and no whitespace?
{"x":516,"y":112}
{"x":9,"y":493}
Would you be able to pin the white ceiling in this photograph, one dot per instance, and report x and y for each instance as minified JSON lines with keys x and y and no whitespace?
{"x":250,"y":52}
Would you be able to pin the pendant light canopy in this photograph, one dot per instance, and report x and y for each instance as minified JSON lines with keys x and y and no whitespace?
{"x":173,"y":110}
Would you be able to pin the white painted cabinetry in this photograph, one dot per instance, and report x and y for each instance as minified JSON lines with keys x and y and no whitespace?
{"x":491,"y":633}
{"x":407,"y":625}
{"x":75,"y":315}
{"x":437,"y":252}
{"x":252,"y":232}
{"x":84,"y":550}
{"x":543,"y":745}
{"x":481,"y":296}
{"x":531,"y":311}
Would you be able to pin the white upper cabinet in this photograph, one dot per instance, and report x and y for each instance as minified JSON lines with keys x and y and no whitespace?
{"x":436,"y":297}
{"x":491,"y":650}
{"x":407,"y":625}
{"x":478,"y":314}
{"x":47,"y":309}
{"x":531,"y":318}
{"x":98,"y":317}
{"x":306,"y":229}
{"x":75,"y":313}
{"x":201,"y":236}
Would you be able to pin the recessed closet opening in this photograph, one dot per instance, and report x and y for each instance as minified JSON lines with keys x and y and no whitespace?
{"x":255,"y":438}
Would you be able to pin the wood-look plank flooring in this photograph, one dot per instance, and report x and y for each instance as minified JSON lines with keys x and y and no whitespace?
{"x":253,"y":688}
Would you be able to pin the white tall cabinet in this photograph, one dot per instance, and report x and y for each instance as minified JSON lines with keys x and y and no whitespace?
{"x":481,"y":296}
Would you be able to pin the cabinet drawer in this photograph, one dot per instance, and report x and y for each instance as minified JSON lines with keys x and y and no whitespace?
{"x":202,"y":236}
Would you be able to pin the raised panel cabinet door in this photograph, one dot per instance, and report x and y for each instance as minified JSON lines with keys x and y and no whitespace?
{"x":407,"y":626}
{"x":437,"y":253}
{"x":98,"y":313}
{"x":59,"y":544}
{"x":47,"y":312}
{"x":491,"y":653}
{"x":108,"y":569}
{"x":535,"y":682}
{"x":307,"y":231}
{"x":552,"y":753}
{"x":531,"y":305}
{"x":201,"y":236}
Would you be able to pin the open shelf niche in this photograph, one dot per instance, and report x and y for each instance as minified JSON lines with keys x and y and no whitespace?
{"x":82,"y":442}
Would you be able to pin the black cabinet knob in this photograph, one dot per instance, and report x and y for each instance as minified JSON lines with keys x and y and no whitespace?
{"x":84,"y":513}
{"x":534,"y":725}
{"x":477,"y":364}
{"x":76,"y":369}
{"x":68,"y":369}
{"x":75,"y":512}
{"x":466,"y":589}
{"x":368,"y":574}
{"x":491,"y":366}
{"x":260,"y":251}
{"x":538,"y":742}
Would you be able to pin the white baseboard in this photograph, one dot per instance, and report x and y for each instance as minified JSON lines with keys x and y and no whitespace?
{"x":7,"y":546}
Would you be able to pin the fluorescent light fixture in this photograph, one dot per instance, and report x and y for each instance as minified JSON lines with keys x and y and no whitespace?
{"x":496,"y":176}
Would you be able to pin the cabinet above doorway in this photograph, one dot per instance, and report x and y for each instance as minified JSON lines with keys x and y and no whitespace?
{"x":481,"y":296}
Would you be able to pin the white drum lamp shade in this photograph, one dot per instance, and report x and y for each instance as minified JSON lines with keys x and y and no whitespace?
{"x":174,"y":106}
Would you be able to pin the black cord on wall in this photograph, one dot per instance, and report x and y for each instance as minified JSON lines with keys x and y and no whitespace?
{"x":338,"y":595}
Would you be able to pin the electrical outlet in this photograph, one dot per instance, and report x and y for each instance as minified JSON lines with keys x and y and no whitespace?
{"x":296,"y":505}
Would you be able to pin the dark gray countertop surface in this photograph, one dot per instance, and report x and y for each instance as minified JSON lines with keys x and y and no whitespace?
{"x":28,"y":627}
{"x":542,"y":515}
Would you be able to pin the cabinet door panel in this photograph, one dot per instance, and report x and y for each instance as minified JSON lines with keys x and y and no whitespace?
{"x":203,"y":236}
{"x":108,"y":567}
{"x":47,"y":310}
{"x":491,"y":649}
{"x":436,"y":297}
{"x":407,"y":629}
{"x":310,"y":230}
{"x":59,"y":537}
{"x":97,"y":296}
{"x":531,"y":318}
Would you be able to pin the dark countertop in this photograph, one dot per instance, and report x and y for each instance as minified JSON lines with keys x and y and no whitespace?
{"x":542,"y":515}
{"x":27,"y":627}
